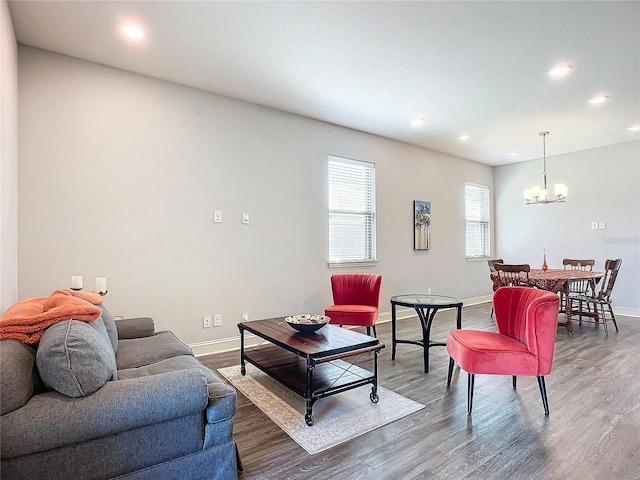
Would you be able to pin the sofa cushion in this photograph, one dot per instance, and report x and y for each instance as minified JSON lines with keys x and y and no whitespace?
{"x":110,"y":326}
{"x":138,"y":352}
{"x":135,"y":328}
{"x":180,"y":362}
{"x":75,"y":358}
{"x":19,"y":378}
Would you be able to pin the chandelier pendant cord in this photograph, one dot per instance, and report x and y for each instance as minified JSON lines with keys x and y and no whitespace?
{"x":544,"y":157}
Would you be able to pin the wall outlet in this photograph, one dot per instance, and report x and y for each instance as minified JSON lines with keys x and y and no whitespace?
{"x":217,"y":320}
{"x":206,"y":321}
{"x":594,"y":225}
{"x":245,"y":218}
{"x":217,"y":216}
{"x":602,"y":225}
{"x":428,"y":291}
{"x":245,"y":317}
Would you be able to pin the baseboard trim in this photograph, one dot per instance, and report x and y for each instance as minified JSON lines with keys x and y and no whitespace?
{"x":233,"y":343}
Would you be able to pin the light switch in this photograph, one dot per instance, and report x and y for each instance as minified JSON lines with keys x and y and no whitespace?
{"x":602,"y":225}
{"x":594,"y":225}
{"x":217,"y":216}
{"x":245,"y":218}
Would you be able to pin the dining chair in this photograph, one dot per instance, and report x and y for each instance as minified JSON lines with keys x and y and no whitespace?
{"x":527,"y":321}
{"x":356,"y":297}
{"x":492,"y":264}
{"x":492,"y":269}
{"x":577,"y":287}
{"x":513,"y":275}
{"x":601,"y":302}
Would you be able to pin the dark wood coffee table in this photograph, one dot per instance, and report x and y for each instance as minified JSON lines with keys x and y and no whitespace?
{"x":311,"y":365}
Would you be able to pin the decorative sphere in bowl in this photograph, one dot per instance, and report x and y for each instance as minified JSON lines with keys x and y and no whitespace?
{"x":307,"y":323}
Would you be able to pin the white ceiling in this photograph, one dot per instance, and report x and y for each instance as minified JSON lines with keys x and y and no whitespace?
{"x":469,"y":67}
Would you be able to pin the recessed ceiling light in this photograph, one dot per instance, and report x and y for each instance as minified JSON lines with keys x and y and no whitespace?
{"x":417,"y":121}
{"x":634,"y":128}
{"x":133,"y":32}
{"x":560,"y":70}
{"x":598,"y":99}
{"x":463,"y":137}
{"x":512,"y":154}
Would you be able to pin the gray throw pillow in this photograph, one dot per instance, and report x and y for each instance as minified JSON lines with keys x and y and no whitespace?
{"x":75,"y":358}
{"x":110,"y":325}
{"x":19,"y":377}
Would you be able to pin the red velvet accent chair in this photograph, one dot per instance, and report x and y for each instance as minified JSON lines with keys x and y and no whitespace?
{"x":356,"y":297}
{"x":527,"y":320}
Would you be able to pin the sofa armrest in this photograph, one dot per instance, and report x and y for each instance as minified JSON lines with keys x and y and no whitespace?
{"x":221,"y":402}
{"x":51,"y":420}
{"x":135,"y":327}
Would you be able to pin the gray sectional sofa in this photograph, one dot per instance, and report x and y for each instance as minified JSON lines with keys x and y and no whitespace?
{"x":112,"y":399}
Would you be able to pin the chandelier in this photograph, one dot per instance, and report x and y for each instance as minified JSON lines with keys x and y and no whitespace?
{"x":536,"y":194}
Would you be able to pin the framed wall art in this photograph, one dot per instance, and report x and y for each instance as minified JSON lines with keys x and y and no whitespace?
{"x":421,"y":225}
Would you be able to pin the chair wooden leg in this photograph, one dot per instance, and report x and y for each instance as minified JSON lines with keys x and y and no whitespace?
{"x":543,"y":393}
{"x":514,"y":381}
{"x":604,"y":320}
{"x":613,"y":317}
{"x":470,"y":393}
{"x":369,"y":331}
{"x":450,"y":374}
{"x":375,"y":334}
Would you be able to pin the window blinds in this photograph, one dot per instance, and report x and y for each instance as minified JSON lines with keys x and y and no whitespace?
{"x":352,"y":222}
{"x":477,"y":220}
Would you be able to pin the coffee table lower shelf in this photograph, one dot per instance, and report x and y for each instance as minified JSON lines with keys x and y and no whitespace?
{"x":314,"y":378}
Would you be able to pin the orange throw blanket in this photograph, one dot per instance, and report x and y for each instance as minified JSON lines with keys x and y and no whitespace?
{"x":28,"y":319}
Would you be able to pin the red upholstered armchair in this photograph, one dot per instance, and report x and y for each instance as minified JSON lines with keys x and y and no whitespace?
{"x":356,"y":297}
{"x":527,"y":320}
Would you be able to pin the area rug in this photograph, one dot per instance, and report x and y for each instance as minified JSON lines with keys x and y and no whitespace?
{"x":337,"y":418}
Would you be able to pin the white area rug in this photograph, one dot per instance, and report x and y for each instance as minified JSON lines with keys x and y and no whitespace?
{"x":337,"y":418}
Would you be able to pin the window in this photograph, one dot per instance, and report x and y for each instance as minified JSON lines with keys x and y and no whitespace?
{"x":476,"y":199}
{"x":352,"y":211}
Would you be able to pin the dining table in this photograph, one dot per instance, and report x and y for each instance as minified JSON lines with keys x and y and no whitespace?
{"x":558,"y":280}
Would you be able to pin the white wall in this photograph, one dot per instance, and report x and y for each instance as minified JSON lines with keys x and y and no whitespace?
{"x":120,"y":175}
{"x":604,"y":186}
{"x":8,"y":160}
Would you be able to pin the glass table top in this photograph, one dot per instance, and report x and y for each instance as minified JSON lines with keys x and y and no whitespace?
{"x":419,"y":299}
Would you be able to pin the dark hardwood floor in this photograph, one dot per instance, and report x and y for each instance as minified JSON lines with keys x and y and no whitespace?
{"x":593,"y":431}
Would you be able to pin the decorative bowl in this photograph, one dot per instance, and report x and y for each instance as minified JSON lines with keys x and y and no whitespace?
{"x":307,"y":323}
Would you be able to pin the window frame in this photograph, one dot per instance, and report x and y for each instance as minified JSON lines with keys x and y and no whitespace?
{"x":483,"y":221}
{"x":368,"y":212}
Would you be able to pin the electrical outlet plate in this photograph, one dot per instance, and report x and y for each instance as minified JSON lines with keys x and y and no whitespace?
{"x":217,"y":320}
{"x":245,"y":317}
{"x":206,"y":321}
{"x":428,"y":291}
{"x":602,"y":225}
{"x":245,"y":218}
{"x":594,"y":225}
{"x":217,"y":216}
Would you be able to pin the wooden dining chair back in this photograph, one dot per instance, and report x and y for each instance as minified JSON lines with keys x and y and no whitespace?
{"x":572,"y":264}
{"x":492,"y":270}
{"x":526,"y":321}
{"x":601,"y":302}
{"x":578,"y":286}
{"x":492,"y":264}
{"x":513,"y":275}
